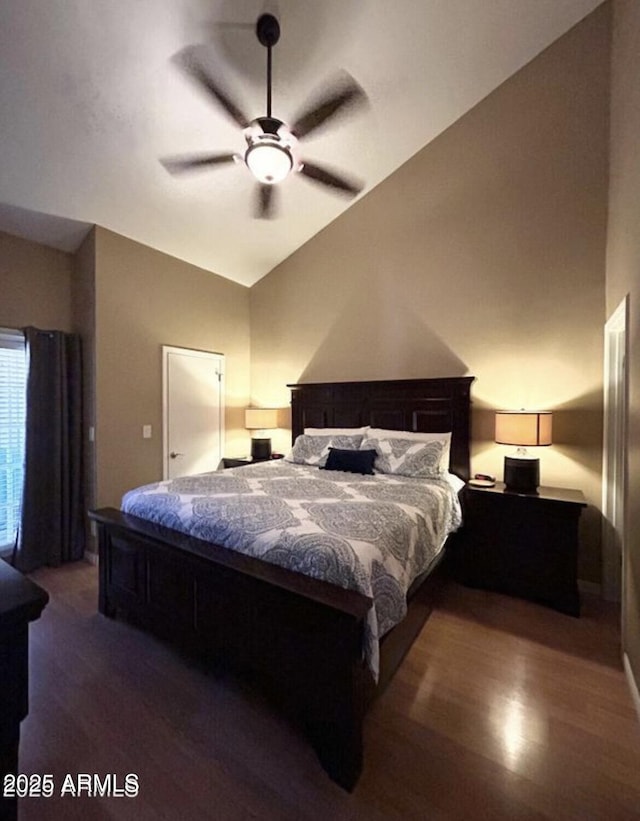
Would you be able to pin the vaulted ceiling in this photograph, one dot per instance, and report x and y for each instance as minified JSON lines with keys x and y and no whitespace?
{"x":90,"y":101}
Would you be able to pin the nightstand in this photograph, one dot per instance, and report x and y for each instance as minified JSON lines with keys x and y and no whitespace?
{"x":522,"y":544}
{"x":231,"y":462}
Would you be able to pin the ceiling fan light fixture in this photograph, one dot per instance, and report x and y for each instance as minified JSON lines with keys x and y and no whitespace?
{"x":268,"y":160}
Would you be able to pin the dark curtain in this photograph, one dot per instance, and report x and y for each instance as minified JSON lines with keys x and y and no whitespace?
{"x":52,"y":530}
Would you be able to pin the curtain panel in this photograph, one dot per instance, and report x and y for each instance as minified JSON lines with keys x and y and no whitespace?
{"x":52,"y":529}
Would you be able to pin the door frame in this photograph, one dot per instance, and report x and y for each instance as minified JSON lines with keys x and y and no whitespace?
{"x":169,"y":349}
{"x":614,"y":454}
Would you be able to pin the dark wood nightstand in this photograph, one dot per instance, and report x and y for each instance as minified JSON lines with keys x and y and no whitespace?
{"x":231,"y":462}
{"x":522,"y":544}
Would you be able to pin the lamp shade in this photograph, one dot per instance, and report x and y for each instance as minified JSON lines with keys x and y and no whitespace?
{"x":260,"y":418}
{"x":523,"y":428}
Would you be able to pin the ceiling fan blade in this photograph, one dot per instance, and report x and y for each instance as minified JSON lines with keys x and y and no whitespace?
{"x":179,"y":165}
{"x":189,"y":63}
{"x":339,"y":183}
{"x":339,"y":98}
{"x":265,"y":202}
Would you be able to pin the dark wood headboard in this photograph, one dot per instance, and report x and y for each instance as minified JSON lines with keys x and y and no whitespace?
{"x":425,"y":405}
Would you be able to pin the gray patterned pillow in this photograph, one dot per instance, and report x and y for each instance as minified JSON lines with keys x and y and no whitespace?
{"x":314,"y":450}
{"x":406,"y":457}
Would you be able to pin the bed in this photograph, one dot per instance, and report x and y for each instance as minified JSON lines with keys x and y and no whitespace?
{"x":305,"y":640}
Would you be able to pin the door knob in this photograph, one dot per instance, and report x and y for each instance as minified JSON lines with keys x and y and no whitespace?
{"x":174,"y":454}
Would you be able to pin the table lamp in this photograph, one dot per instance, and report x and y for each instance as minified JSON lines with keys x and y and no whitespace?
{"x":524,"y":429}
{"x":260,"y":419}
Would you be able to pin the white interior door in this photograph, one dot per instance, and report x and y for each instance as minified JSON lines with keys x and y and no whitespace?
{"x":193,"y":411}
{"x":614,"y":478}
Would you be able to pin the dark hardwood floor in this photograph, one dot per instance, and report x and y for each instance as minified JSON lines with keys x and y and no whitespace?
{"x":502,"y":710}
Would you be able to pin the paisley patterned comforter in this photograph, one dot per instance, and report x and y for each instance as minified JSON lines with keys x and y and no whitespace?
{"x":374,"y":534}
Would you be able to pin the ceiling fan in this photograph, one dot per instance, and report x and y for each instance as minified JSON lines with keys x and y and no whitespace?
{"x":272,"y":145}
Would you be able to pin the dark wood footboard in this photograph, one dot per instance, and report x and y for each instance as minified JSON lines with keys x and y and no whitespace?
{"x":301,"y":637}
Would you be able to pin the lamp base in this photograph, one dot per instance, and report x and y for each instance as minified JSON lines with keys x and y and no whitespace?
{"x":521,"y":475}
{"x":260,"y":449}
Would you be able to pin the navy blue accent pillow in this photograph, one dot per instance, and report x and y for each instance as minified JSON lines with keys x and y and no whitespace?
{"x":351,"y":461}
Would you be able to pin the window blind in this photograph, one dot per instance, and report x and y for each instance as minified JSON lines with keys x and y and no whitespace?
{"x":13,"y":379}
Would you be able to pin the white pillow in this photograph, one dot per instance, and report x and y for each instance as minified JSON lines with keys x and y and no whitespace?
{"x":382,"y":433}
{"x":419,"y":436}
{"x":408,"y":457}
{"x":336,"y":431}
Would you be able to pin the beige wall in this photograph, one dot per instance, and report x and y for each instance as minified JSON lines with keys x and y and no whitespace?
{"x":484,"y":254}
{"x":623,"y":275}
{"x":35,"y":285}
{"x":127,"y":300}
{"x":146,"y":299}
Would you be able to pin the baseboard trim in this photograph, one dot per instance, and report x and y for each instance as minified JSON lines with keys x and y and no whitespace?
{"x":91,"y":557}
{"x":633,"y":685}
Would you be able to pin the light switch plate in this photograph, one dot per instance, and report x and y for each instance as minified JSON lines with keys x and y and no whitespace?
{"x":146,"y":431}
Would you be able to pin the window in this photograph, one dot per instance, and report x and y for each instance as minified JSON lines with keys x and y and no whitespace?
{"x":13,"y":383}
